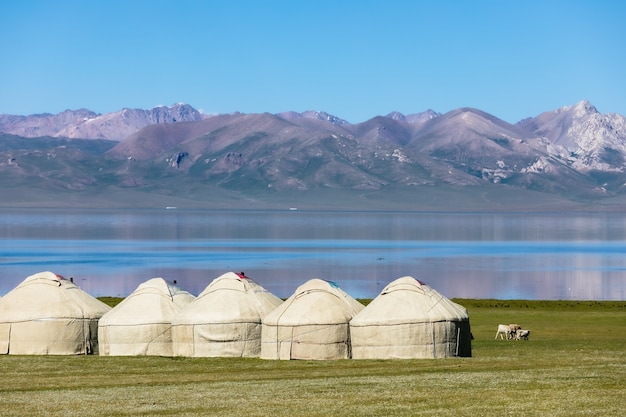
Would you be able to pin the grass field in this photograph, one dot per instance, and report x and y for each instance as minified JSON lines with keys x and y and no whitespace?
{"x":573,"y":365}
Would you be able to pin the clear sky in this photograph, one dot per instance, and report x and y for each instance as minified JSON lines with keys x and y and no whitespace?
{"x":353,"y":59}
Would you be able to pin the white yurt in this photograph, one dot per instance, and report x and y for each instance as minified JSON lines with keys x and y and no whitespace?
{"x":48,"y":315}
{"x":142,"y":323}
{"x":410,"y":320}
{"x":311,"y":324}
{"x":224,"y":320}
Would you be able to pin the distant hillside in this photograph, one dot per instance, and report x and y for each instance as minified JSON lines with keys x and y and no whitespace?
{"x":466,"y":159}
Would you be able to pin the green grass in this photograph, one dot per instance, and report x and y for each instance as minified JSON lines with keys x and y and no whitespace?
{"x":573,"y":365}
{"x":111,"y":301}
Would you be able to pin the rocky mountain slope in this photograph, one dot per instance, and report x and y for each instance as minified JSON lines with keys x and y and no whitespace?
{"x":86,"y":124}
{"x":572,"y":154}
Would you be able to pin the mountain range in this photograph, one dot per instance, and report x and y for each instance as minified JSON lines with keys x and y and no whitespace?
{"x":570,"y":158}
{"x":84,"y":123}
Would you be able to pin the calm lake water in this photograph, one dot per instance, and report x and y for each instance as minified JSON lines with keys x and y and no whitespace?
{"x":476,"y":255}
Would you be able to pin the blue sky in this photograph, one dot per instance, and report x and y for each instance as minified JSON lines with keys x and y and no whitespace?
{"x":353,"y":59}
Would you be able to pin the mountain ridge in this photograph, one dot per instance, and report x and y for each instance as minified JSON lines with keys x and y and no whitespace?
{"x":573,"y":154}
{"x":86,"y":124}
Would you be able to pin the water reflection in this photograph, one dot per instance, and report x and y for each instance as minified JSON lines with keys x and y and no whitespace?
{"x":531,"y":256}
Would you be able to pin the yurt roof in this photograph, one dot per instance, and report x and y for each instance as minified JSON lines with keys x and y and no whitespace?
{"x":315,"y":302}
{"x":408,"y":300}
{"x":154,"y":301}
{"x":49,"y":295}
{"x":230,"y":298}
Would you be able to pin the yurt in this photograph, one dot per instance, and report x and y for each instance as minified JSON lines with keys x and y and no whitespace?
{"x":410,"y":320}
{"x":311,"y":324}
{"x":224,"y":320}
{"x":142,"y":323}
{"x":48,"y":315}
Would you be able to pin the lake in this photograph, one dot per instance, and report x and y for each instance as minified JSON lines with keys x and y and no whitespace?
{"x":579,"y":256}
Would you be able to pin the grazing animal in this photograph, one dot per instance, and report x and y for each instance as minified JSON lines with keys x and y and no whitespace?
{"x":522,"y":334}
{"x":507,"y":331}
{"x":504,"y":331}
{"x":514,"y":327}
